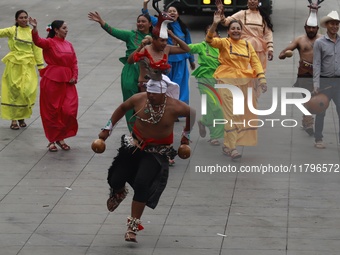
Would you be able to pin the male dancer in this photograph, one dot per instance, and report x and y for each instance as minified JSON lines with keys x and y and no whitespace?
{"x":304,"y":44}
{"x":142,"y":160}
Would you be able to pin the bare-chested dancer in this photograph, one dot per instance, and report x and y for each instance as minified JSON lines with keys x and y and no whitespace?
{"x":304,"y":44}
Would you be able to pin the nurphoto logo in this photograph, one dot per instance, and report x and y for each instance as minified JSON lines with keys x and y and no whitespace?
{"x":239,"y":100}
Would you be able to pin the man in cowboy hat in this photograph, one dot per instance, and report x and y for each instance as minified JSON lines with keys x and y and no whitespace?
{"x":326,"y":70}
{"x":304,"y":44}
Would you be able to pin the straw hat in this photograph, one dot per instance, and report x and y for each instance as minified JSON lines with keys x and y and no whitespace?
{"x":333,"y":15}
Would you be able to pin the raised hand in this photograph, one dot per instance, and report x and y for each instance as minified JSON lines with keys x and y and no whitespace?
{"x":219,"y":5}
{"x":146,"y":41}
{"x":94,"y":16}
{"x":32,"y":22}
{"x":217,"y":16}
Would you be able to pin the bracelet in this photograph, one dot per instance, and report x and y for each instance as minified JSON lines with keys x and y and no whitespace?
{"x":262,"y":80}
{"x":108,"y":126}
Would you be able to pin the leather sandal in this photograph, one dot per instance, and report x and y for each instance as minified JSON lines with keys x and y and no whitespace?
{"x":63,"y":145}
{"x":214,"y":142}
{"x":134,"y":225}
{"x":226,"y":151}
{"x":22,"y":123}
{"x":130,"y":236}
{"x":14,"y":126}
{"x":52,"y":148}
{"x":234,"y":154}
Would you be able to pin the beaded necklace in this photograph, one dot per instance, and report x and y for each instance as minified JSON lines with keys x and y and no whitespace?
{"x":156,"y":116}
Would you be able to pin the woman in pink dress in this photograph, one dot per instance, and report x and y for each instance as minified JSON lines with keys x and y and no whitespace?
{"x":58,"y":93}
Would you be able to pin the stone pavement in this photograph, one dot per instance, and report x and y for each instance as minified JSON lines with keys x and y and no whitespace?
{"x":55,"y":203}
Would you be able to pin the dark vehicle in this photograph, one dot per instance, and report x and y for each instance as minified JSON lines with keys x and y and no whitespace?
{"x":206,"y":7}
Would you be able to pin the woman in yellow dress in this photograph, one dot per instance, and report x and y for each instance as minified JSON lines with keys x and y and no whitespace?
{"x":20,"y":79}
{"x":239,"y":66}
{"x":257,"y":28}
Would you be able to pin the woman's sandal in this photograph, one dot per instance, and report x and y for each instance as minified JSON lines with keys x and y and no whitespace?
{"x":63,"y":146}
{"x":22,"y":123}
{"x":214,"y":142}
{"x":226,"y":151}
{"x":52,"y":148}
{"x":14,"y":126}
{"x":234,"y":154}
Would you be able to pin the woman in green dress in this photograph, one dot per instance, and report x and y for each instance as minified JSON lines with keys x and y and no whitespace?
{"x":208,"y":62}
{"x":132,"y":39}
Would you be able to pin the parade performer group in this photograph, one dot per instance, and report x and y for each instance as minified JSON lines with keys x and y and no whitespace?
{"x":19,"y":82}
{"x":156,"y":90}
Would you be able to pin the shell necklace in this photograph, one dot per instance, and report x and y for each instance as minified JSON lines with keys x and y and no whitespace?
{"x":155,"y":116}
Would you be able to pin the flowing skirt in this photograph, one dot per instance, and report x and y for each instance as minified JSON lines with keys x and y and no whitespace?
{"x":18,"y":91}
{"x":179,"y":74}
{"x":214,"y":107}
{"x":239,"y":129}
{"x":129,"y":81}
{"x":58,"y":109}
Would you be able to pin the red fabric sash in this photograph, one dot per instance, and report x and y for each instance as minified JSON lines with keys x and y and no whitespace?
{"x":146,"y":141}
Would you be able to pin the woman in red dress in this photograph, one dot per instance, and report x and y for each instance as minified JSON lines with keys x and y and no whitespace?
{"x":58,"y":93}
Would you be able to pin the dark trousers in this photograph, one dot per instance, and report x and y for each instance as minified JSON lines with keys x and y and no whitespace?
{"x":138,"y":168}
{"x":333,"y":93}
